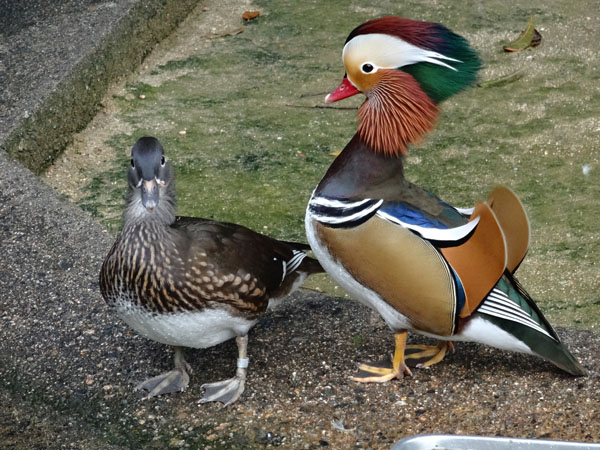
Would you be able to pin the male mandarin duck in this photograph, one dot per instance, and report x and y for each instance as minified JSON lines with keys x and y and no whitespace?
{"x":191,"y":282}
{"x":422,"y":264}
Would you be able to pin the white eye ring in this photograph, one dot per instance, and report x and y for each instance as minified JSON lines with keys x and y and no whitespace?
{"x":368,"y":67}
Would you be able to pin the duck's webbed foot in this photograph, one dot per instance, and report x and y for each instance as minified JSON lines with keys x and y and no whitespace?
{"x":228,"y":391}
{"x":386,"y":370}
{"x":427,"y":355}
{"x":173,"y":381}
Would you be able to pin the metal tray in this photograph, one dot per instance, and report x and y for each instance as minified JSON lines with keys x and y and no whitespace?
{"x":455,"y":442}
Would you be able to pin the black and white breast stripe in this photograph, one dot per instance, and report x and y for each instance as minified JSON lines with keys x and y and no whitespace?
{"x":498,"y":304}
{"x":342,"y":214}
{"x":345,"y":214}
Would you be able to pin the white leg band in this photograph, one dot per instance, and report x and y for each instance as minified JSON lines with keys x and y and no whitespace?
{"x":242,"y":363}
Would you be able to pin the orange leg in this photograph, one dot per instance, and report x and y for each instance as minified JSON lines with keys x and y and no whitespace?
{"x":380,"y":374}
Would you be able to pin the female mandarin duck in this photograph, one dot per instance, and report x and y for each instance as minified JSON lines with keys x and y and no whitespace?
{"x":191,"y":282}
{"x":419,"y":262}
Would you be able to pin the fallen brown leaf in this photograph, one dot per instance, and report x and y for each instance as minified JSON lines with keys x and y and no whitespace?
{"x":249,"y":15}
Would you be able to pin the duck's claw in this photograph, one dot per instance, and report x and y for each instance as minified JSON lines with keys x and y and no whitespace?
{"x":427,"y":355}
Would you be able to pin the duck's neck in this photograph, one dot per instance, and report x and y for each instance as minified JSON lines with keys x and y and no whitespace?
{"x":361,"y":172}
{"x":136,"y":214}
{"x":397,"y":112}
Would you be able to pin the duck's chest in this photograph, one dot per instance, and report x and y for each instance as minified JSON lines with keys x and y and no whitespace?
{"x":143,"y":270}
{"x":391,"y":270}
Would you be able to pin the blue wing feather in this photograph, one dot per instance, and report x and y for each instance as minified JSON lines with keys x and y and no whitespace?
{"x":447,"y":217}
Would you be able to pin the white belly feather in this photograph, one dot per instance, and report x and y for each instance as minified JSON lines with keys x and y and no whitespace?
{"x":196,"y":329}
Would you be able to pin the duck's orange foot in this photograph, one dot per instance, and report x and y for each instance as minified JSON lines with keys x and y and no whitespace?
{"x":427,"y":355}
{"x":380,"y":372}
{"x":386,"y":370}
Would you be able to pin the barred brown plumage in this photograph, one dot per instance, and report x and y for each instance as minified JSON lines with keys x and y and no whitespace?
{"x":192,"y":282}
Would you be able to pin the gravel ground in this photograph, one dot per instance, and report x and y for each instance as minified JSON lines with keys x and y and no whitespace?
{"x":69,"y":368}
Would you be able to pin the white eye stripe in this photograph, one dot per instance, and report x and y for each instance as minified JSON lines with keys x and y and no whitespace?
{"x":383,"y":51}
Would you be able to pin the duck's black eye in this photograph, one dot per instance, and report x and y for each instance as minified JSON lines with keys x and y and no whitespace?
{"x":162,"y":160}
{"x":132,"y":163}
{"x":367,"y":68}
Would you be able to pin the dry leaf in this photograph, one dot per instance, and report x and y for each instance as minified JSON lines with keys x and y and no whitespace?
{"x":537,"y":38}
{"x":528,"y":38}
{"x":501,"y":81}
{"x":249,"y":15}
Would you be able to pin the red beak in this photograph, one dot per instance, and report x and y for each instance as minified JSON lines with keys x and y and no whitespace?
{"x":344,"y":90}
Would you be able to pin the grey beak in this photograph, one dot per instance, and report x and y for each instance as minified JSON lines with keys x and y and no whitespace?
{"x":150,"y":194}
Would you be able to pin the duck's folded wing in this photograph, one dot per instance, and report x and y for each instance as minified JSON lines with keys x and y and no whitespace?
{"x":476,"y":251}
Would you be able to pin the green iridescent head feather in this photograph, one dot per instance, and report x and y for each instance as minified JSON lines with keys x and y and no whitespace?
{"x":440,"y":82}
